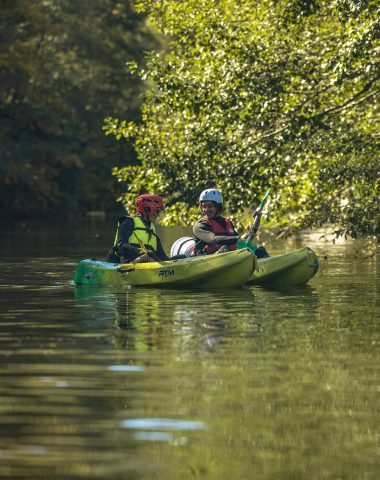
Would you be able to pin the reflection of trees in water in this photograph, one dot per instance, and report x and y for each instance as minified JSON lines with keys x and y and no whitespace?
{"x":96,"y":305}
{"x":192,"y":323}
{"x":188,"y":321}
{"x":282,"y":315}
{"x":138,"y":320}
{"x":197,"y":329}
{"x":201,"y":320}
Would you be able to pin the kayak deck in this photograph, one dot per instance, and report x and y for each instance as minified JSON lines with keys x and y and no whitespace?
{"x":225,"y":270}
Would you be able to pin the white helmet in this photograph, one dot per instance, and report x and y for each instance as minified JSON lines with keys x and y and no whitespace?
{"x":212,"y":195}
{"x":183,"y":246}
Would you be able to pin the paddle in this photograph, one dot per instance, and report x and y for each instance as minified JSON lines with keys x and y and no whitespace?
{"x":246,"y":243}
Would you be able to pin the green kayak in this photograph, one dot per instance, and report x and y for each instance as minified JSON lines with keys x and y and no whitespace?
{"x":293,"y":268}
{"x":224,"y":270}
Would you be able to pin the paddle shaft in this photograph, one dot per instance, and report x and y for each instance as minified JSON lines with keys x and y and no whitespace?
{"x":257,"y":215}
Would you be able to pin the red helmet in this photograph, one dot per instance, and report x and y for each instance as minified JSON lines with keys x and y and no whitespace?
{"x":148,"y":203}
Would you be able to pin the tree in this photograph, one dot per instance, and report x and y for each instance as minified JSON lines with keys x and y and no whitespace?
{"x":63,"y":68}
{"x":248,"y":95}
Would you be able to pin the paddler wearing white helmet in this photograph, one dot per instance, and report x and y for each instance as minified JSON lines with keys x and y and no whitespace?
{"x":214,"y":233}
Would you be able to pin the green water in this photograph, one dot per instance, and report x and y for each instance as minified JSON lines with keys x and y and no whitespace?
{"x":165,"y":384}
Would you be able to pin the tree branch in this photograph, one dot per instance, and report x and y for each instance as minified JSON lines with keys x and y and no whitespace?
{"x":349,"y":102}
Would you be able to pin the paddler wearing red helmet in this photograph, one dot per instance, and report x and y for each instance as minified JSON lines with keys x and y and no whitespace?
{"x":136,"y":239}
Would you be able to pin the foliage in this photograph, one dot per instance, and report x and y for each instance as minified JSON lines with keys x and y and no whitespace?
{"x":277,"y":93}
{"x":62,"y":70}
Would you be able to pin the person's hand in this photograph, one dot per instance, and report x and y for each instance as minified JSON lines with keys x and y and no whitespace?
{"x":223,"y":249}
{"x":247,"y":233}
{"x":257,"y":213}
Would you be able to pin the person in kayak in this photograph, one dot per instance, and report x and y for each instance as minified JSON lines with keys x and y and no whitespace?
{"x":136,"y":239}
{"x":214,"y":233}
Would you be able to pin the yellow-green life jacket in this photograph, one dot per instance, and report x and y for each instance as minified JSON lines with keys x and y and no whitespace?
{"x":142,"y":237}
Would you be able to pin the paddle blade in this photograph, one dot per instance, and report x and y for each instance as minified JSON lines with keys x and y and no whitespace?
{"x":240,"y":244}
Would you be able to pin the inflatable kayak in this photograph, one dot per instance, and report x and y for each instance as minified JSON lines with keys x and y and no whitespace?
{"x":224,"y":270}
{"x":293,"y":268}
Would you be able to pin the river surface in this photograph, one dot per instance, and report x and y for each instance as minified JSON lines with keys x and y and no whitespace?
{"x":104,"y":383}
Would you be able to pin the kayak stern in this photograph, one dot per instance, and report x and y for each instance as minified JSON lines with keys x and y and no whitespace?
{"x":293,"y":268}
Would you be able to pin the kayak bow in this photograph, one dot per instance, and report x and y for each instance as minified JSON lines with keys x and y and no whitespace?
{"x":224,"y":270}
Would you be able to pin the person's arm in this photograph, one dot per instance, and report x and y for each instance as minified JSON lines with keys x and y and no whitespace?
{"x":202,"y":230}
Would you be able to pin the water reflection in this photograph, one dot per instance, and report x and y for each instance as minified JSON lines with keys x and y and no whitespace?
{"x":202,"y":322}
{"x":161,"y":424}
{"x":150,"y":429}
{"x":125,"y":368}
{"x":100,"y":382}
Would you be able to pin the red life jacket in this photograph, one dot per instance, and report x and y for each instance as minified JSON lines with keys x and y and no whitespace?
{"x":218,"y":229}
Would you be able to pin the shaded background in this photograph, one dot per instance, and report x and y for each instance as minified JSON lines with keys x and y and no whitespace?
{"x":63,"y":69}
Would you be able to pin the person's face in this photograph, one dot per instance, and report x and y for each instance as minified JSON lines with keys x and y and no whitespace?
{"x":209,"y":209}
{"x":153,"y":214}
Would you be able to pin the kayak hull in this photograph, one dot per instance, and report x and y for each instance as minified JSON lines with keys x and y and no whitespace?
{"x":293,"y":268}
{"x":225,"y":270}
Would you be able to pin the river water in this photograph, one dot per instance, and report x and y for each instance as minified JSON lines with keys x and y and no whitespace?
{"x":164,"y":384}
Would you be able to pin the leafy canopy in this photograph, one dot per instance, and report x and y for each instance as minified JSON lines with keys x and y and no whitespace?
{"x":250,"y":95}
{"x":62,"y":68}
